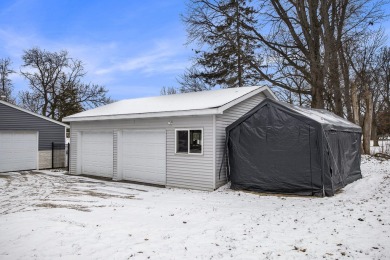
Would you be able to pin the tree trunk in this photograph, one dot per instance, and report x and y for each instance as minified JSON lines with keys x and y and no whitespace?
{"x":239,"y":74}
{"x":317,"y":89}
{"x":355,"y":104}
{"x":347,"y":83}
{"x":374,"y":132}
{"x":338,"y":103}
{"x":367,"y":121}
{"x":335,"y":79}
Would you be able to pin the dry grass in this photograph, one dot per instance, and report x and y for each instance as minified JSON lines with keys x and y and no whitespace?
{"x":66,"y":206}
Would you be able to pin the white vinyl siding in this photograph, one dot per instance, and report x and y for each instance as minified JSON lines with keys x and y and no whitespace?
{"x":115,"y":155}
{"x":74,"y":142}
{"x":183,"y":170}
{"x":222,"y":121}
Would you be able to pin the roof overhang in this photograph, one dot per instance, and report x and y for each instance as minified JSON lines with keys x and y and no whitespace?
{"x":145,"y":115}
{"x":265,"y":90}
{"x":194,"y":112}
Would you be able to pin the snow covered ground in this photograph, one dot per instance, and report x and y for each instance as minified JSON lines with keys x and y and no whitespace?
{"x":51,"y":215}
{"x":384,"y":147}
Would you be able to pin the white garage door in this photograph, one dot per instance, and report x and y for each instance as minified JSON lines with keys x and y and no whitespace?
{"x":18,"y":150}
{"x":97,"y":153}
{"x":144,"y":156}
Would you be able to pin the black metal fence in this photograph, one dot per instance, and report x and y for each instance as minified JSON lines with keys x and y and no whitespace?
{"x":60,"y":155}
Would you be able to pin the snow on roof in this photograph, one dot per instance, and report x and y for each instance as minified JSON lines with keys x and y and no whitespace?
{"x":322,"y":116}
{"x":204,"y":102}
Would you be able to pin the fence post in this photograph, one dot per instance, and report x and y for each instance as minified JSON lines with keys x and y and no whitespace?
{"x":68,"y":155}
{"x":52,"y":155}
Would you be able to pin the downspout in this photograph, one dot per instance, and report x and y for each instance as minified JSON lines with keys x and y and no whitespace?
{"x":214,"y":153}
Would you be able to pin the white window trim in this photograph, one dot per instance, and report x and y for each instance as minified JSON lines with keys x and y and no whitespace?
{"x":188,"y":129}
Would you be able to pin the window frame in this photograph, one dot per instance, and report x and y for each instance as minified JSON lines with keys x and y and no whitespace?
{"x":189,"y":136}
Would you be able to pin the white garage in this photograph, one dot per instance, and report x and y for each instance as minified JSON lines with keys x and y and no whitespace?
{"x":143,"y":156}
{"x":97,"y":154}
{"x":19,"y":150}
{"x":170,"y":140}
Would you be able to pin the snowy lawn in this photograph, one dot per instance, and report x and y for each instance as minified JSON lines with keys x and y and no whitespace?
{"x":51,"y":215}
{"x":384,"y":147}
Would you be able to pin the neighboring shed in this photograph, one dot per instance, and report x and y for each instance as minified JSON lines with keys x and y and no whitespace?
{"x":174,"y":140}
{"x":280,"y":148}
{"x":26,"y":139}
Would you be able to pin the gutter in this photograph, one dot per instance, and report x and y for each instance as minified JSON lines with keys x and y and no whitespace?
{"x":210,"y":111}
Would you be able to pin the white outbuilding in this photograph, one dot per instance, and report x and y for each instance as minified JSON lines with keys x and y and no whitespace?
{"x":174,"y":140}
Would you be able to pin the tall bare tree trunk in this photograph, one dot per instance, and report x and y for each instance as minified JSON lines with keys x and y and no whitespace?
{"x":347,"y":84}
{"x":239,"y":74}
{"x":374,"y":132}
{"x":355,"y":103}
{"x":367,"y":121}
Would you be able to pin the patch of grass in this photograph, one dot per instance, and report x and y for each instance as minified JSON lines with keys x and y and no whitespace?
{"x":66,"y":206}
{"x":106,"y":196}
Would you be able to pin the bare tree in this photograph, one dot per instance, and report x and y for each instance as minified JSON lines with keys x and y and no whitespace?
{"x":48,"y":68}
{"x":6,"y":83}
{"x":190,"y":82}
{"x":381,"y":95}
{"x":308,"y":36}
{"x":364,"y":65}
{"x":384,"y":69}
{"x":168,"y":91}
{"x":56,"y":87}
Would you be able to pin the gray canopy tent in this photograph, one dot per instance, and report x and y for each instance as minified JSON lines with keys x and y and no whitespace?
{"x":280,"y":148}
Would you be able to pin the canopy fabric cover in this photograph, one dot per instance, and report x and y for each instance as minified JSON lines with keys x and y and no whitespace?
{"x":280,"y":148}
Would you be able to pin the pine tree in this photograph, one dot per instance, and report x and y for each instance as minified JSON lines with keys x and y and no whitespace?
{"x":226,"y":49}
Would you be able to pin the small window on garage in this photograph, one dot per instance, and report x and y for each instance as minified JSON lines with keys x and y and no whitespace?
{"x":189,"y":141}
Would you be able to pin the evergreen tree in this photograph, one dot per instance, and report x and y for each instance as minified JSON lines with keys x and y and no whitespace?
{"x":226,"y":49}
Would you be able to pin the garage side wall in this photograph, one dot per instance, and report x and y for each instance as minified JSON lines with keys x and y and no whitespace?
{"x":73,"y":153}
{"x":12,"y":119}
{"x":222,"y":121}
{"x":185,"y":171}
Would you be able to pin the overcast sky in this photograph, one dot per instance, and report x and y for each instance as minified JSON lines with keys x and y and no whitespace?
{"x":132,"y":47}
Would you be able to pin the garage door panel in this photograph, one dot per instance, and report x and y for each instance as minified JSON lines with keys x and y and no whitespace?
{"x":18,"y":151}
{"x":144,"y":156}
{"x":97,"y":154}
{"x":148,"y":165}
{"x":144,"y":160}
{"x":137,"y":136}
{"x":150,"y":150}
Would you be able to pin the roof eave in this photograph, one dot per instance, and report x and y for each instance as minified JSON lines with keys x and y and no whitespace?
{"x":266,"y":90}
{"x":211,"y":111}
